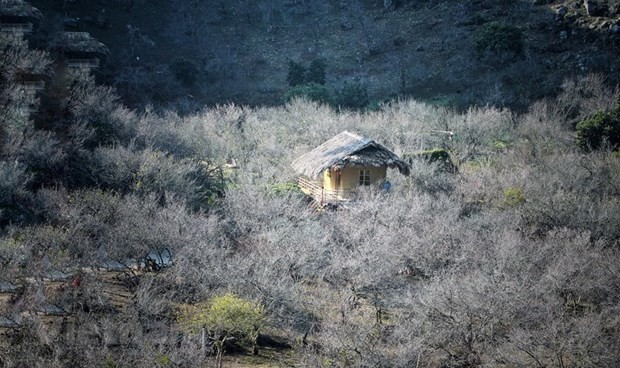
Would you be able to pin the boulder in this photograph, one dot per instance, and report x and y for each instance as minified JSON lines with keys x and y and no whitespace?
{"x":71,"y":23}
{"x":561,"y":10}
{"x":560,"y":13}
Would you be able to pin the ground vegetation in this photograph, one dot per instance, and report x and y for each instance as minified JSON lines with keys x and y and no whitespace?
{"x":151,"y":237}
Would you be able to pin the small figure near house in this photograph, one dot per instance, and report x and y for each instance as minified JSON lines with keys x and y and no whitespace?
{"x":387,"y":186}
{"x":77,"y":281}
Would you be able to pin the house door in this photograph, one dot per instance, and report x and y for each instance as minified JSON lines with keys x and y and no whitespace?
{"x":338,"y":179}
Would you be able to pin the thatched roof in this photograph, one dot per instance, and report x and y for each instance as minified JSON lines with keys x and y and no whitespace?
{"x":347,"y":149}
{"x":18,"y":8}
{"x":79,"y":42}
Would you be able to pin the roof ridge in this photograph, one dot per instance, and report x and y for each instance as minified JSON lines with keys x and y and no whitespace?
{"x":355,"y":135}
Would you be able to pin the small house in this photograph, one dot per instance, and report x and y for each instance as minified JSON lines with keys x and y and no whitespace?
{"x":18,"y":16}
{"x":335,"y":170}
{"x":80,"y":49}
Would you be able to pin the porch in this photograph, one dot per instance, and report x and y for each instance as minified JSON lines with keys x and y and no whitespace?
{"x":316,"y":190}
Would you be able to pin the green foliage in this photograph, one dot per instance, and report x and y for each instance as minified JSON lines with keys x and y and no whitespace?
{"x":353,"y":95}
{"x":316,"y":72}
{"x":513,"y":197}
{"x":436,"y":155}
{"x":498,"y":37}
{"x":226,"y":314}
{"x":224,"y":317}
{"x":235,"y":315}
{"x":296,"y":74}
{"x":109,"y":362}
{"x":501,"y":144}
{"x":598,"y":129}
{"x":163,"y":360}
{"x":185,"y":71}
{"x":444,"y":100}
{"x":284,"y":188}
{"x":312,"y":91}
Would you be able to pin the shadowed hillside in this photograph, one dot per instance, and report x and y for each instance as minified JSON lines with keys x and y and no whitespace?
{"x":195,"y":52}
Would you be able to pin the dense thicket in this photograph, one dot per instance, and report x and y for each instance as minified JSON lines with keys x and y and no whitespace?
{"x":510,"y":260}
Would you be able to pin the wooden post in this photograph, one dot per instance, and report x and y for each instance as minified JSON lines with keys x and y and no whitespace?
{"x":203,"y":341}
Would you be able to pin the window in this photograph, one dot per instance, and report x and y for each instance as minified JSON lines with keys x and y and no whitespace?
{"x":364,"y":177}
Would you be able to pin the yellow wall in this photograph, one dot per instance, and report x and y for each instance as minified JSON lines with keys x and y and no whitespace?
{"x":350,"y":177}
{"x":329,"y":179}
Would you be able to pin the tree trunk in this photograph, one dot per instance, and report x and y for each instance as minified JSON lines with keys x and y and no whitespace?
{"x":219,"y":351}
{"x":218,"y":357}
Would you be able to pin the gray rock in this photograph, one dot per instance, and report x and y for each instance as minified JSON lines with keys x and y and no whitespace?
{"x":561,"y":10}
{"x":560,"y":13}
{"x":71,"y":23}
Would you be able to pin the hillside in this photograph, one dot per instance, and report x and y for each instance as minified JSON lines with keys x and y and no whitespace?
{"x":140,"y":228}
{"x":196,"y":52}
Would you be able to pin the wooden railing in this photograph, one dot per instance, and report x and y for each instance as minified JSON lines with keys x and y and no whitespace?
{"x":321,"y":195}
